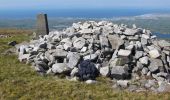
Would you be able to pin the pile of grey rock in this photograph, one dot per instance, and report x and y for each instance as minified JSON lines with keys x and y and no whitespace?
{"x":4,"y":36}
{"x":128,"y":55}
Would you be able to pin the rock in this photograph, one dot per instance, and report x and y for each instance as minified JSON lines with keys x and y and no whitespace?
{"x":166,"y":52}
{"x":144,"y":60}
{"x":130,"y":47}
{"x":107,"y":30}
{"x":72,"y":78}
{"x":163,"y":43}
{"x":38,"y":68}
{"x":115,"y":41}
{"x":91,"y":81}
{"x":49,"y":71}
{"x":42,"y":64}
{"x":145,"y":36}
{"x":132,"y":88}
{"x":43,"y":45}
{"x":125,"y":53}
{"x":150,"y":83}
{"x":155,"y":64}
{"x":130,"y":32}
{"x":74,"y":72}
{"x":119,"y":61}
{"x":123,"y":83}
{"x":23,"y":57}
{"x":22,"y":50}
{"x":134,"y":26}
{"x":151,"y":47}
{"x":90,"y":57}
{"x":59,"y":53}
{"x":139,"y":65}
{"x":154,"y":53}
{"x":104,"y":71}
{"x":50,"y":46}
{"x":138,"y":45}
{"x":133,"y":38}
{"x":86,"y":25}
{"x":119,"y":72}
{"x":12,"y":43}
{"x":144,"y":41}
{"x":73,"y":59}
{"x":145,"y":71}
{"x":76,"y":25}
{"x":67,"y":44}
{"x":86,"y":31}
{"x":84,"y":49}
{"x":163,"y":87}
{"x":138,"y":54}
{"x":79,"y":43}
{"x":162,"y":74}
{"x":104,"y":42}
{"x":60,"y":68}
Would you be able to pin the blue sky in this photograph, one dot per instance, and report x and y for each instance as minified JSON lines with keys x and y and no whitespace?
{"x":71,"y":4}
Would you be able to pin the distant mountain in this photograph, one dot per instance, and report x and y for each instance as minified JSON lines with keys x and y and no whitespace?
{"x":153,"y":16}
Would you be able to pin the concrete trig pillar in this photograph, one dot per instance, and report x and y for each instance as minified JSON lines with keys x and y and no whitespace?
{"x":42,"y":25}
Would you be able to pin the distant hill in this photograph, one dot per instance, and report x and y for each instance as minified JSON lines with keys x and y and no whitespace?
{"x":156,"y":22}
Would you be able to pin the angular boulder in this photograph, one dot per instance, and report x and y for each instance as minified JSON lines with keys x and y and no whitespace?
{"x":90,"y":57}
{"x":115,"y":41}
{"x":60,"y":68}
{"x":144,"y":60}
{"x":104,"y":71}
{"x":73,"y":59}
{"x":130,"y":32}
{"x":104,"y":42}
{"x":155,"y":64}
{"x":154,"y":53}
{"x":125,"y":53}
{"x":79,"y":43}
{"x":120,"y":72}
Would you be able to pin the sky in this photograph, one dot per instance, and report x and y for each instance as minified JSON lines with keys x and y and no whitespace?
{"x":83,"y":4}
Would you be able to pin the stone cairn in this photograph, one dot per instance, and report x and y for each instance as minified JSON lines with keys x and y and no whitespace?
{"x":132,"y":57}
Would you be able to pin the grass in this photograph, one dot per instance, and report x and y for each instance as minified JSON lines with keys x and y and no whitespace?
{"x":19,"y":81}
{"x":16,"y":35}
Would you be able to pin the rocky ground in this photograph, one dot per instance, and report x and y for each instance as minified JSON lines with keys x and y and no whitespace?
{"x":132,"y":57}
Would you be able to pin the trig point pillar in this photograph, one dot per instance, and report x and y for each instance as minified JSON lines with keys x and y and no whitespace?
{"x":42,"y":25}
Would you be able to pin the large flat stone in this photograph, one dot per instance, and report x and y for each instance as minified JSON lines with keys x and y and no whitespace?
{"x":104,"y":71}
{"x":155,"y":64}
{"x":119,"y":72}
{"x":59,"y":53}
{"x":60,"y":68}
{"x":130,"y":32}
{"x":79,"y":43}
{"x":154,"y":53}
{"x":115,"y":41}
{"x":90,"y":57}
{"x":144,"y":60}
{"x":139,"y":54}
{"x":163,"y":43}
{"x":73,"y":59}
{"x":104,"y":41}
{"x":125,"y":53}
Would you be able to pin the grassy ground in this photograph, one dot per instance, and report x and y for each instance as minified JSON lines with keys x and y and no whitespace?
{"x":19,"y":81}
